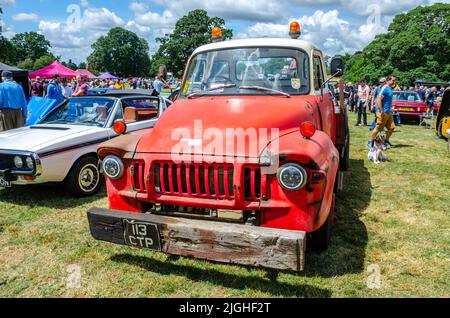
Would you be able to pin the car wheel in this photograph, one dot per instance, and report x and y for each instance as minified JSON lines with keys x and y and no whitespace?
{"x":320,"y":239}
{"x":84,"y":178}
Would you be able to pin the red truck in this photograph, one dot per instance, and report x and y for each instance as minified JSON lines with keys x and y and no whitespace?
{"x":243,"y":168}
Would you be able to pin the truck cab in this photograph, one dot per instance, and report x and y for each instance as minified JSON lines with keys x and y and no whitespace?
{"x":242,"y":168}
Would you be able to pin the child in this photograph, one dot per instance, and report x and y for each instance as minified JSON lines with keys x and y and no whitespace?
{"x":376,"y":152}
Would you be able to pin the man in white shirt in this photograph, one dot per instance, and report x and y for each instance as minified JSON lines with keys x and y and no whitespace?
{"x":66,"y":89}
{"x":363,"y":102}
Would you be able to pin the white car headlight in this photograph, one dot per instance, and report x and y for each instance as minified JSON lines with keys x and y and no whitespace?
{"x":292,"y":176}
{"x":30,"y":163}
{"x":113,"y":167}
{"x":18,"y":162}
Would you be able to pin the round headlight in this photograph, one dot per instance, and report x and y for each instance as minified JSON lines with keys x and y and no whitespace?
{"x":292,"y":176}
{"x":18,"y":162}
{"x":113,"y":167}
{"x":30,"y":163}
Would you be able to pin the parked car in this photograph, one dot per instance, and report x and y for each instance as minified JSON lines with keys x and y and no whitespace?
{"x":443,"y":117}
{"x":62,"y":146}
{"x":240,"y":169}
{"x":409,"y":105}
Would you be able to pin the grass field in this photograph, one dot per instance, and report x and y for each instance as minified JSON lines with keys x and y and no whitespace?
{"x":394,"y":218}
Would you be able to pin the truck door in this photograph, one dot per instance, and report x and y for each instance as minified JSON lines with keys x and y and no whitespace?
{"x":324,"y":101}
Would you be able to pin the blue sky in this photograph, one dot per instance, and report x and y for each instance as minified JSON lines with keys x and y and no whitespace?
{"x":337,"y":26}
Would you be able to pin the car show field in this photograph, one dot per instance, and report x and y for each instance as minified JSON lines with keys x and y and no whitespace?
{"x":390,"y":240}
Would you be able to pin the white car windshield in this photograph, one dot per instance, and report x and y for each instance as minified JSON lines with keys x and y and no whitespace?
{"x":248,"y":71}
{"x":82,"y":111}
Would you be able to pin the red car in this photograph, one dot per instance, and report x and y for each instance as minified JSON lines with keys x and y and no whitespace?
{"x":409,"y":105}
{"x":242,"y":168}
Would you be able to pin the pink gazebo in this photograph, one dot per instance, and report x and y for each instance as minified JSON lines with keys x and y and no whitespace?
{"x":56,"y":68}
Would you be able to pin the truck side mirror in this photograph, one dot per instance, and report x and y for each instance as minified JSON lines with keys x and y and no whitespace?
{"x":337,"y":66}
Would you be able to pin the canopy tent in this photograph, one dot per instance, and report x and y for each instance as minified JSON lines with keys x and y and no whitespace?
{"x":20,"y":76}
{"x":107,"y":76}
{"x":85,"y":73}
{"x":56,"y":68}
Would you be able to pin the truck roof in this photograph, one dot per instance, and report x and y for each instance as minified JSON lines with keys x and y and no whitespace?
{"x":260,"y":42}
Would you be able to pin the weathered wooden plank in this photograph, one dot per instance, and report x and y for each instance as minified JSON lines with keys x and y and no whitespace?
{"x":210,"y":240}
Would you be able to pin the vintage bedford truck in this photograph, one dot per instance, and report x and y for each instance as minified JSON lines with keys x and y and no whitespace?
{"x":243,"y":168}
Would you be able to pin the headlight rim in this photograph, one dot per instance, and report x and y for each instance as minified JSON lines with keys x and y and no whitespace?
{"x":301,"y":169}
{"x":15,"y":163}
{"x":119,"y":163}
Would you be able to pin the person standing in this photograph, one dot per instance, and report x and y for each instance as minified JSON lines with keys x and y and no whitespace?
{"x":363,"y":102}
{"x":13,"y":104}
{"x":385,"y":118}
{"x":54,"y":90}
{"x":37,"y":89}
{"x":66,"y":89}
{"x":82,"y":88}
{"x":430,"y":97}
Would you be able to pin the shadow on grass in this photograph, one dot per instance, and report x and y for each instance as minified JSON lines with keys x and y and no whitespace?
{"x":345,"y":255}
{"x":52,"y":196}
{"x":227,"y":280}
{"x":349,"y":240}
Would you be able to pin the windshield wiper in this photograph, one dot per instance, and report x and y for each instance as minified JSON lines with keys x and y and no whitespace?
{"x":265,"y":89}
{"x":203,"y":93}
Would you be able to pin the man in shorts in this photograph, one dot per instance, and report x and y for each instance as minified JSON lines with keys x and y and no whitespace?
{"x":385,"y":118}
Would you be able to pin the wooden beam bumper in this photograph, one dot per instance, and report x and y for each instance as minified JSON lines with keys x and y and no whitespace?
{"x":209,"y":240}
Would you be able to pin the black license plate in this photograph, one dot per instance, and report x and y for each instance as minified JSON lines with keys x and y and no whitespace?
{"x":142,"y":235}
{"x":4,"y":183}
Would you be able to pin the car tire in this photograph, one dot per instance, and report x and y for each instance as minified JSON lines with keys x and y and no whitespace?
{"x":84,"y":179}
{"x":320,"y":239}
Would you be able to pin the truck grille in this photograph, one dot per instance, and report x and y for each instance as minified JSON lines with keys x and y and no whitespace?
{"x":6,"y":162}
{"x":138,"y":172}
{"x":214,"y":181}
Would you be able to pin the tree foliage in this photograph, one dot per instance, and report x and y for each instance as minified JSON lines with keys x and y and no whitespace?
{"x":30,"y":45}
{"x":415,"y":47}
{"x":7,"y":51}
{"x":44,"y":61}
{"x":191,"y":31}
{"x":122,"y":53}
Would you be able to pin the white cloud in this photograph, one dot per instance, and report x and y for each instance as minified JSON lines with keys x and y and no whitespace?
{"x":100,"y":19}
{"x":84,"y":3}
{"x":325,"y":29}
{"x":138,"y":7}
{"x":7,"y":31}
{"x":7,"y":2}
{"x":141,"y":30}
{"x":28,"y":17}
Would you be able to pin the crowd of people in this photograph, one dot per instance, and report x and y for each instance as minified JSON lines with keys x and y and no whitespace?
{"x":62,"y":88}
{"x":361,"y":98}
{"x":13,"y":103}
{"x":378,"y":99}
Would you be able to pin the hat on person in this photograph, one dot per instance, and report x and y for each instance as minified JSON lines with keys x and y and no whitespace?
{"x":383,"y":80}
{"x":7,"y":74}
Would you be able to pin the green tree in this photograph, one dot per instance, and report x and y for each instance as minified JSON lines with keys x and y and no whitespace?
{"x":7,"y":51}
{"x":191,"y":31}
{"x":26,"y":64}
{"x":70,"y":65}
{"x":30,"y":45}
{"x":122,"y":53}
{"x":415,"y":47}
{"x":82,"y":66}
{"x":44,"y":61}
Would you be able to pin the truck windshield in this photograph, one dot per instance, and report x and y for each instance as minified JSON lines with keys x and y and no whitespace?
{"x":233,"y":71}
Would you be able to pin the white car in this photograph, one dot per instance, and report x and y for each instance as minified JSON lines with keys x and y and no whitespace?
{"x":62,"y":147}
